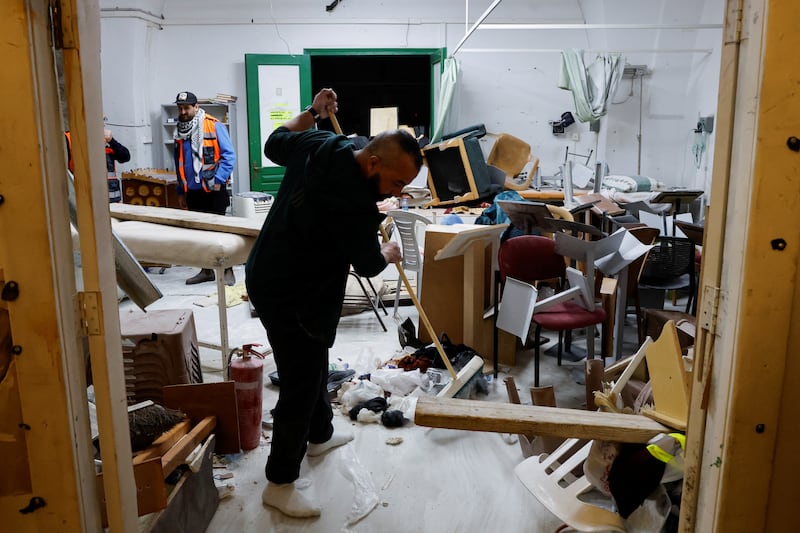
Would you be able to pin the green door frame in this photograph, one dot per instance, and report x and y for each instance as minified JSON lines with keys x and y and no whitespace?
{"x":267,"y":179}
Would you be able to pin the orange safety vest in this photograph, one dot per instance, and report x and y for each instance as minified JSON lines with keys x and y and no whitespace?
{"x":111,"y":165}
{"x":210,"y":154}
{"x":70,"y":164}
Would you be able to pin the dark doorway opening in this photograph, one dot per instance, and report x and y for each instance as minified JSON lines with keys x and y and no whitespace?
{"x":363,"y":82}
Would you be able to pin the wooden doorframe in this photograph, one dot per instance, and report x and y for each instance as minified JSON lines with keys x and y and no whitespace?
{"x":36,"y":252}
{"x":744,"y":422}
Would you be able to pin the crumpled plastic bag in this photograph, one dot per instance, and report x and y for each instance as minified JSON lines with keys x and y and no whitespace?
{"x":398,"y":381}
{"x":351,"y":394}
{"x":598,"y":464}
{"x":365,"y":497}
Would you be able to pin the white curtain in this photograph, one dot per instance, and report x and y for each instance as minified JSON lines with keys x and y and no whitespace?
{"x":591,"y":86}
{"x":448,"y":86}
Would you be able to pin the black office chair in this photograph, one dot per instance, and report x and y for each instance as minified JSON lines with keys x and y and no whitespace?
{"x":670,"y":266}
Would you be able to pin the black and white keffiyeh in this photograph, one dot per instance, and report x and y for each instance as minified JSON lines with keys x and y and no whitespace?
{"x":193,"y":130}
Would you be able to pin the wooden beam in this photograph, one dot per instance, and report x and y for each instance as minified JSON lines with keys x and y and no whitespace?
{"x":187,"y":219}
{"x":36,"y":253}
{"x":80,"y":21}
{"x":530,"y":419}
{"x":163,"y":443}
{"x":747,"y":456}
{"x":178,"y":453}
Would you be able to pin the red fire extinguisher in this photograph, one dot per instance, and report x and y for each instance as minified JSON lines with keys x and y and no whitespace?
{"x":247,"y":371}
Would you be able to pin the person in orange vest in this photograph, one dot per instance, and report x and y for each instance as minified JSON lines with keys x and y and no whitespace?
{"x":115,"y":153}
{"x":204,"y":161}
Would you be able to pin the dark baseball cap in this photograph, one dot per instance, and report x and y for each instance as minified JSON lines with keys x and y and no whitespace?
{"x":186,"y":98}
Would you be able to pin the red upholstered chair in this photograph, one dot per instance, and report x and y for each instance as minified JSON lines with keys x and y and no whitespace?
{"x":532,"y":259}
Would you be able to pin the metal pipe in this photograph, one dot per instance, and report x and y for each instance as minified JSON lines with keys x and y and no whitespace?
{"x":513,"y":26}
{"x":475,"y":26}
{"x":559,"y":50}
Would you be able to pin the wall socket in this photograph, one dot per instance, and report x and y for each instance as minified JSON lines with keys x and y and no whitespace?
{"x":706,"y":124}
{"x":575,"y":136}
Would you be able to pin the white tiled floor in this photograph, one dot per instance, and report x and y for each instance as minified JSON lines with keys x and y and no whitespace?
{"x":435,"y":480}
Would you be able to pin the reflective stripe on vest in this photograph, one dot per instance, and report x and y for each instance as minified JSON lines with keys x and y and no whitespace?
{"x":209,"y":141}
{"x":111,"y":165}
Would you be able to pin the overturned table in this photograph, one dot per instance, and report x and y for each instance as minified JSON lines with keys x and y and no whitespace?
{"x":179,"y":237}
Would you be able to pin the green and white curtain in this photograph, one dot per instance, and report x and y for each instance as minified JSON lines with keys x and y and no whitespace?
{"x":450,"y":76}
{"x":592,"y":86}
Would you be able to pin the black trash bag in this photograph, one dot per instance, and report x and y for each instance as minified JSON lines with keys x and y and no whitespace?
{"x":458,"y":354}
{"x":407,"y":334}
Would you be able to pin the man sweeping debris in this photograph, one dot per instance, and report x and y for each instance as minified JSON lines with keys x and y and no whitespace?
{"x":324,"y":220}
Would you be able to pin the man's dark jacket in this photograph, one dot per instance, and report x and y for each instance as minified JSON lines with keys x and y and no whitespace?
{"x":323,"y":220}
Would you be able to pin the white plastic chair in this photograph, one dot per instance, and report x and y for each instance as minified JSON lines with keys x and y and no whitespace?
{"x":406,"y":224}
{"x":549,"y":477}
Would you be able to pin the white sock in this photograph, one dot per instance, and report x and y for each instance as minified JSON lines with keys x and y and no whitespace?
{"x":337,"y":439}
{"x":289,"y":500}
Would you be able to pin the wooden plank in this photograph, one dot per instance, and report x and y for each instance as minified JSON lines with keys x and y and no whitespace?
{"x":151,"y":492}
{"x":668,"y":378}
{"x":752,"y":389}
{"x":163,"y":443}
{"x":16,"y":478}
{"x":178,"y":453}
{"x":529,"y":419}
{"x":36,"y":252}
{"x":187,"y":219}
{"x":193,"y":502}
{"x":82,"y":89}
{"x":199,"y":400}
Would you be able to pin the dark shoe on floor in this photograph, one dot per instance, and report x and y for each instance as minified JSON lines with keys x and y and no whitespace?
{"x":201,"y":277}
{"x":337,"y":377}
{"x":230,"y":279}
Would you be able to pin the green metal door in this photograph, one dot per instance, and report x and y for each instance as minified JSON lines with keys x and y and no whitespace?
{"x":278,"y":88}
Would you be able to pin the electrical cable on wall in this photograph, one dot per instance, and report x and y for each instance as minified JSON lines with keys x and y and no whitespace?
{"x":278,"y":30}
{"x":330,"y":7}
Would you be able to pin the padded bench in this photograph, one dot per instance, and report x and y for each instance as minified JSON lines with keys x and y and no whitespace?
{"x":158,"y":243}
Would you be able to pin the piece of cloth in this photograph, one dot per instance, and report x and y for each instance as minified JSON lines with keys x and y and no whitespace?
{"x":450,"y":75}
{"x":215,"y":152}
{"x":393,"y":419}
{"x":494,"y":214}
{"x":376,"y":405}
{"x":591,"y":86}
{"x":323,"y":220}
{"x":633,"y":476}
{"x":192,"y":131}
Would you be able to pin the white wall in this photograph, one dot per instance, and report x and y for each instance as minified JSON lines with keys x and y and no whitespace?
{"x":151,"y":53}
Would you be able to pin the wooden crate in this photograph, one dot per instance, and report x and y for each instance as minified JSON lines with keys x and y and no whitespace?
{"x":150,"y":186}
{"x":152,"y":465}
